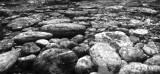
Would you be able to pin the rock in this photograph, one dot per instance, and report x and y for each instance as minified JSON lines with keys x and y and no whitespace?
{"x":132,"y":54}
{"x":6,"y":44}
{"x":139,"y":32}
{"x":82,"y":18}
{"x":1,"y":32}
{"x":64,"y":29}
{"x":31,"y":36}
{"x":85,"y":65}
{"x":78,"y":38}
{"x":68,"y":44}
{"x":30,"y":29}
{"x":31,"y":57}
{"x":30,"y":48}
{"x":55,"y":40}
{"x":105,"y":56}
{"x":118,"y":37}
{"x":134,"y":39}
{"x":94,"y":73}
{"x":151,"y":48}
{"x":54,"y":21}
{"x":55,"y":61}
{"x":81,"y":50}
{"x":155,"y":60}
{"x":71,"y":13}
{"x":42,"y":42}
{"x":24,"y":22}
{"x":139,"y":68}
{"x":52,"y":45}
{"x":8,"y":59}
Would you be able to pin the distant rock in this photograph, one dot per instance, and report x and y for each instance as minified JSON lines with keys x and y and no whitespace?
{"x":64,"y":29}
{"x":31,"y":36}
{"x":139,"y":68}
{"x":24,"y":22}
{"x":55,"y":61}
{"x":6,"y":44}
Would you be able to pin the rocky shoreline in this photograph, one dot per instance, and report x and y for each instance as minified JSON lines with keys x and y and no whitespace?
{"x":81,"y":38}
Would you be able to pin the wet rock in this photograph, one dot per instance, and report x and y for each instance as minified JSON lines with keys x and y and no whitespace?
{"x":55,"y":40}
{"x":155,"y":60}
{"x":31,"y":36}
{"x":8,"y":59}
{"x":151,"y":48}
{"x":30,"y":48}
{"x":31,"y":57}
{"x":64,"y":29}
{"x":118,"y":37}
{"x":55,"y":61}
{"x":68,"y":44}
{"x":132,"y":54}
{"x":81,"y":50}
{"x":71,"y":13}
{"x":42,"y":42}
{"x":85,"y":65}
{"x":52,"y":45}
{"x":78,"y":38}
{"x":139,"y":68}
{"x":54,"y":21}
{"x":6,"y":44}
{"x":24,"y":22}
{"x":105,"y":56}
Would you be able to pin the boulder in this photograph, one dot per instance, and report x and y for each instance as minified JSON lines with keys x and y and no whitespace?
{"x":31,"y":36}
{"x":6,"y":44}
{"x":24,"y":22}
{"x":8,"y":59}
{"x":105,"y":56}
{"x":64,"y":29}
{"x":55,"y":61}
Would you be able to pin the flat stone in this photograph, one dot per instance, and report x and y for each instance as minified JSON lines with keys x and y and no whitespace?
{"x":31,"y":36}
{"x":140,"y":32}
{"x":64,"y":29}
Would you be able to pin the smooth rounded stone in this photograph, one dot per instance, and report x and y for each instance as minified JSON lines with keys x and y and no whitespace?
{"x":24,"y":22}
{"x":119,"y":37}
{"x":155,"y":60}
{"x":139,"y":32}
{"x":78,"y":38}
{"x":139,"y":68}
{"x":6,"y":44}
{"x":54,"y":21}
{"x":81,"y":50}
{"x":71,"y":13}
{"x":55,"y":40}
{"x":42,"y":42}
{"x":94,"y":73}
{"x":55,"y":61}
{"x":31,"y":36}
{"x":30,"y":48}
{"x":85,"y":65}
{"x":64,"y":29}
{"x":8,"y":59}
{"x":132,"y":54}
{"x":91,"y":29}
{"x":68,"y":44}
{"x":105,"y":56}
{"x":151,"y":48}
{"x":31,"y":57}
{"x":52,"y":45}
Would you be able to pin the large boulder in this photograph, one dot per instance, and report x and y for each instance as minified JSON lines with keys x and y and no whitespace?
{"x":55,"y":61}
{"x":31,"y":36}
{"x":105,"y":56}
{"x":8,"y":59}
{"x":64,"y":29}
{"x":24,"y":22}
{"x":139,"y":68}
